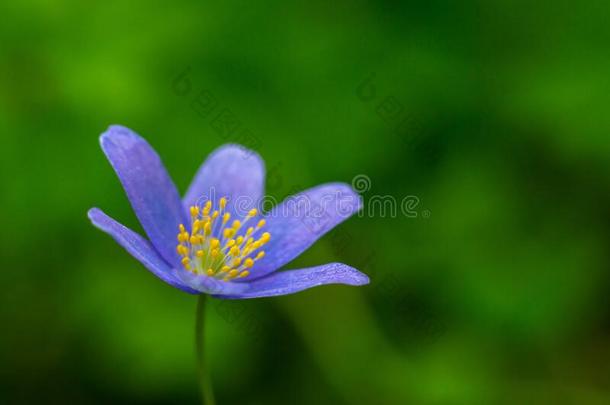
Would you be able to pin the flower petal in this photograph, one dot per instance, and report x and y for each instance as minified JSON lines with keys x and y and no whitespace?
{"x":231,"y":171}
{"x":150,"y":190}
{"x":300,"y":220}
{"x":138,"y":247}
{"x":209,"y":285}
{"x":292,"y":281}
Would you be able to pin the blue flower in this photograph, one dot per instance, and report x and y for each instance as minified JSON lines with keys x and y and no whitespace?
{"x":215,"y":240}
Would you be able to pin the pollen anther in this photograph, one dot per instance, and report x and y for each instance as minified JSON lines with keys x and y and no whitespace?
{"x":218,"y":248}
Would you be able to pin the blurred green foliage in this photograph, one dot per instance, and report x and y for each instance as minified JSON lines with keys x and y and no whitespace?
{"x":499,"y":296}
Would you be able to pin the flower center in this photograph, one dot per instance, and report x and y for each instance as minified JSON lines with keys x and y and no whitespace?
{"x":218,"y":248}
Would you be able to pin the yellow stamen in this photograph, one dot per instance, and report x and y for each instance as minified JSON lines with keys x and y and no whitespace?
{"x":196,"y":226}
{"x":223,"y":251}
{"x":265,"y":238}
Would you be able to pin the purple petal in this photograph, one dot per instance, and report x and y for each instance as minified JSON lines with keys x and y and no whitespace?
{"x":292,"y":281}
{"x":231,"y":171}
{"x":209,"y":285}
{"x":300,"y":220}
{"x":150,"y":190}
{"x":138,"y":247}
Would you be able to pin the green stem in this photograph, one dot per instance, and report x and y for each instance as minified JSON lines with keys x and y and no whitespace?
{"x":205,"y":384}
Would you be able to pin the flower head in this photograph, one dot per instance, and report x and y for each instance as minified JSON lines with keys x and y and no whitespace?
{"x":216,"y":240}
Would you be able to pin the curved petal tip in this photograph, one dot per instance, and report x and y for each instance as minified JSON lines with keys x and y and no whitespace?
{"x":138,"y":247}
{"x":293,"y":281}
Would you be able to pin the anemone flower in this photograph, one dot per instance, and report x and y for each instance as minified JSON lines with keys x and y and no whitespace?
{"x":217,"y":240}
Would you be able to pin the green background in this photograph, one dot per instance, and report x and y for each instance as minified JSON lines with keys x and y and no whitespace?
{"x":493,"y":114}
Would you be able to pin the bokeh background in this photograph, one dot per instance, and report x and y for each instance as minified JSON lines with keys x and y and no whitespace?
{"x":492,"y":116}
